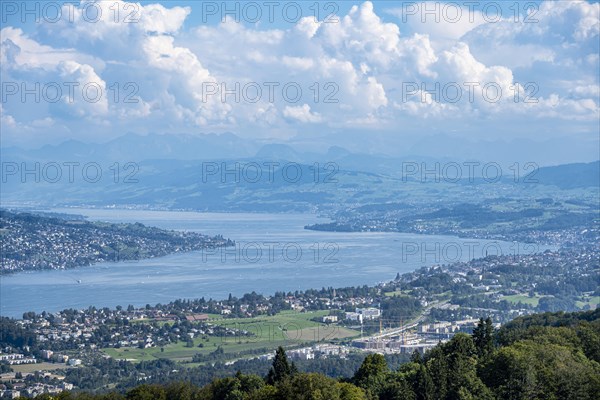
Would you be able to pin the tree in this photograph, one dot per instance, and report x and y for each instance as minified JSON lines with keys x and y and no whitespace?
{"x":416,"y":357}
{"x":350,"y":392}
{"x":147,"y":392}
{"x":280,"y":369}
{"x":317,"y":387}
{"x":539,"y":368}
{"x":266,"y":392}
{"x":293,"y":368}
{"x":397,"y":388}
{"x":250,"y":383}
{"x":437,"y":366}
{"x":372,"y":373}
{"x":227,"y":389}
{"x":590,"y":341}
{"x":181,"y":391}
{"x":424,"y":387}
{"x":483,"y":337}
{"x":462,"y":369}
{"x":4,"y":368}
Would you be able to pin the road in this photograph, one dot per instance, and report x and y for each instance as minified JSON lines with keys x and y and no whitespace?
{"x":411,"y":324}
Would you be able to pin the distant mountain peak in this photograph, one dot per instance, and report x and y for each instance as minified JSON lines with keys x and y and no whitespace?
{"x":335,"y":152}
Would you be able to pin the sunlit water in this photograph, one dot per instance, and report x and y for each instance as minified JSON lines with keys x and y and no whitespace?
{"x":273,"y":253}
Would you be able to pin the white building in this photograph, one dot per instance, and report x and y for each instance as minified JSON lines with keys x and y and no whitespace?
{"x":352,"y":316}
{"x":302,"y":354}
{"x":369,"y":313}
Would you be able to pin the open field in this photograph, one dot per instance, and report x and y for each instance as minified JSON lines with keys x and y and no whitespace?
{"x":397,"y":293}
{"x":44,"y":366}
{"x":289,"y":326}
{"x":592,"y":301}
{"x":523,"y":298}
{"x":179,"y":351}
{"x":267,"y":332}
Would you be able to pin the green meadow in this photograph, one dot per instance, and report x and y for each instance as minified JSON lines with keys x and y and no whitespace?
{"x":287,"y":328}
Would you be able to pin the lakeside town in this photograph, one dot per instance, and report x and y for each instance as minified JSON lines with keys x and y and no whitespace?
{"x":533,"y":221}
{"x":51,"y":352}
{"x":38,"y":242}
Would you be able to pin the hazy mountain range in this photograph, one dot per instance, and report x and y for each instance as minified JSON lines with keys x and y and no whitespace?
{"x":331,"y":147}
{"x":228,"y":173}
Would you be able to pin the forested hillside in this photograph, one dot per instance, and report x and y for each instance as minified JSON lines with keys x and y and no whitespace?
{"x":543,"y":356}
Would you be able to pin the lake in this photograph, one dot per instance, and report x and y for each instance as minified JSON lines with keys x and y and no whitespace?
{"x":273,"y":252}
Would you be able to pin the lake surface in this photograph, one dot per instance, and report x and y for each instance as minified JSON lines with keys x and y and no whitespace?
{"x":273,"y":252}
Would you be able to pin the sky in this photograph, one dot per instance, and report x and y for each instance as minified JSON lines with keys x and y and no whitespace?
{"x":279,"y":70}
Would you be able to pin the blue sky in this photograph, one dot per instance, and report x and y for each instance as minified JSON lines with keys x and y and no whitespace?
{"x":496,"y":71}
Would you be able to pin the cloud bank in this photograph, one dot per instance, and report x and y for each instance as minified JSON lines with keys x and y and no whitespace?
{"x":94,"y":73}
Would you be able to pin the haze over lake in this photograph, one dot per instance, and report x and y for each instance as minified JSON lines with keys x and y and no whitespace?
{"x":273,"y":253}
